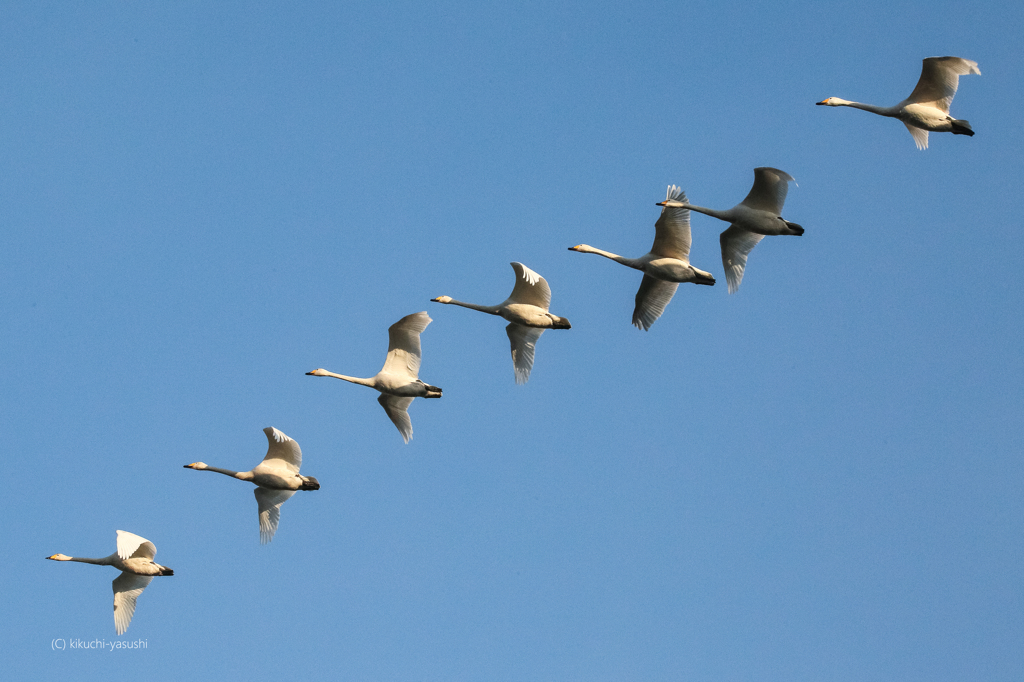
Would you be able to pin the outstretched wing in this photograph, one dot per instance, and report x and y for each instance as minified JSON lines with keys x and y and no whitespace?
{"x":737,"y":243}
{"x":270,"y":502}
{"x":940,"y":77}
{"x":651,"y":300}
{"x":524,"y":341}
{"x":130,"y":545}
{"x":397,"y":408}
{"x":404,"y":345}
{"x":530,"y":288}
{"x":919,"y":134}
{"x":283,"y":451}
{"x":127,"y":588}
{"x":672,"y":231}
{"x":769,"y":190}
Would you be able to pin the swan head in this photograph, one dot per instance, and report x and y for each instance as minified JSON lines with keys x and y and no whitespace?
{"x":318,"y":373}
{"x":671,"y":203}
{"x":832,"y":102}
{"x":442,"y":299}
{"x":59,"y":557}
{"x":198,"y":466}
{"x":582,"y":248}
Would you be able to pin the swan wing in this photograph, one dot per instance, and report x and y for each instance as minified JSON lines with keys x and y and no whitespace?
{"x":737,"y":243}
{"x":132,"y":546}
{"x":940,"y":77}
{"x":270,"y":502}
{"x":672,"y":231}
{"x":283,"y":451}
{"x":651,"y":300}
{"x":404,"y":345}
{"x":524,"y":342}
{"x":769,"y":190}
{"x":530,"y":288}
{"x":920,"y":135}
{"x":397,"y":408}
{"x":127,"y":588}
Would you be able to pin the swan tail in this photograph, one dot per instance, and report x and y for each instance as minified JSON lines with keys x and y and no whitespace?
{"x":796,"y":229}
{"x":432,"y":391}
{"x":165,"y":571}
{"x":309,"y":483}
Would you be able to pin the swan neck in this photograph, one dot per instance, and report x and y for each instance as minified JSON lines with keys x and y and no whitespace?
{"x":353,"y":380}
{"x":628,"y":262}
{"x":492,"y":309}
{"x":105,"y":561}
{"x":714,"y":213}
{"x":241,"y":475}
{"x":881,"y":111}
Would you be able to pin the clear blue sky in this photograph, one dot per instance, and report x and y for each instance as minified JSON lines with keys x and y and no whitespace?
{"x":818,"y":478}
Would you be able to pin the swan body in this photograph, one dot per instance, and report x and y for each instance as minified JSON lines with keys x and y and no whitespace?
{"x":754,"y":218}
{"x":398,"y":382}
{"x":526,"y":309}
{"x":927,"y":108}
{"x":277,"y":478}
{"x":134,"y":558}
{"x":666,"y":265}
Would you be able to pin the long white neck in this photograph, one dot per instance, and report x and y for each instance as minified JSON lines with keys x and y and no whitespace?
{"x":354,"y":380}
{"x":491,"y":309}
{"x":628,"y":262}
{"x":714,"y":213}
{"x":241,"y":475}
{"x":881,"y":111}
{"x":105,"y":561}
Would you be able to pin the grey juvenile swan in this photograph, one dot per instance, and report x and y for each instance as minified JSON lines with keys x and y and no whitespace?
{"x":665,"y":266}
{"x":927,"y":108}
{"x":398,"y":382}
{"x":752,"y":219}
{"x":276,"y":477}
{"x":526,"y":309}
{"x":134,"y":558}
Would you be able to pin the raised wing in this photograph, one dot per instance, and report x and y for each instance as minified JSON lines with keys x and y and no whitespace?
{"x":737,"y":243}
{"x":270,"y":502}
{"x":651,"y":300}
{"x":530,"y":288}
{"x":282,"y":449}
{"x":404,"y":345}
{"x":397,"y":408}
{"x":130,"y":545}
{"x":127,"y":588}
{"x":524,"y":341}
{"x":940,"y":77}
{"x":672,"y":231}
{"x":769,"y":190}
{"x":920,"y":135}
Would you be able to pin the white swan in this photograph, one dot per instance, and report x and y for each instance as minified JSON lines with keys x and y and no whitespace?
{"x":276,"y":477}
{"x":665,"y":266}
{"x":134,"y":558}
{"x":752,"y":219}
{"x":526,"y":309}
{"x":927,"y":108}
{"x":398,"y":382}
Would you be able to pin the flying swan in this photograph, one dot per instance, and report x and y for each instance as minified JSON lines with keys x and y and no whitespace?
{"x":398,"y":382}
{"x":276,"y":477}
{"x":526,"y":309}
{"x":665,"y":266}
{"x":752,"y":219}
{"x":927,"y":108}
{"x":134,"y":558}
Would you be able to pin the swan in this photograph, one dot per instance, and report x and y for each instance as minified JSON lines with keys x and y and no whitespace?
{"x":927,"y":108}
{"x":752,"y":219}
{"x":398,"y":382}
{"x":276,"y":477}
{"x":665,"y":266}
{"x":526,"y":309}
{"x":134,"y":558}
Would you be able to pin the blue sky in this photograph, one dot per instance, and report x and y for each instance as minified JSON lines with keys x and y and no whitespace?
{"x":818,"y":478}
